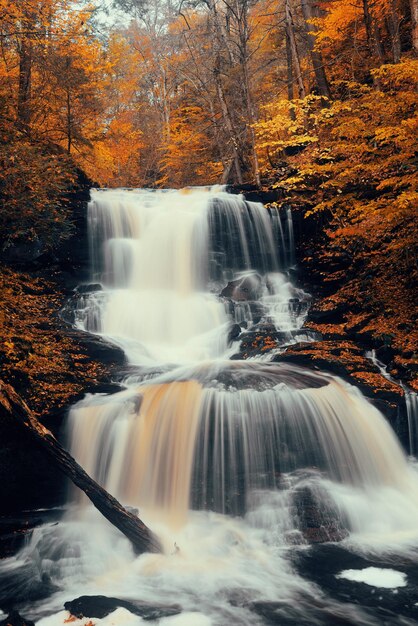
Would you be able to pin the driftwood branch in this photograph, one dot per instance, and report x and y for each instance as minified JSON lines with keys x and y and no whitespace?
{"x":14,"y":409}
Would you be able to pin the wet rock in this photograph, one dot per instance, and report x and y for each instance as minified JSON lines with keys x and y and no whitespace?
{"x":98,"y":348}
{"x":234,"y":333}
{"x":260,"y":339}
{"x":317,"y":516}
{"x":245,"y":288}
{"x":329,"y":316}
{"x":100,"y":606}
{"x":15,"y":619}
{"x":254,"y":193}
{"x":15,"y":529}
{"x":88,"y":288}
{"x":256,"y":343}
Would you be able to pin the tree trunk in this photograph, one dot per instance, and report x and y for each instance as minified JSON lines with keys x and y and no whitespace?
{"x":228,"y":123}
{"x":316,"y":56}
{"x":25,"y":76}
{"x":372,"y":32}
{"x":294,"y":51}
{"x":414,"y":25}
{"x":69,"y":122}
{"x":289,"y":76}
{"x":244,"y":36}
{"x":15,"y":411}
{"x":220,"y":44}
{"x":393,"y":28}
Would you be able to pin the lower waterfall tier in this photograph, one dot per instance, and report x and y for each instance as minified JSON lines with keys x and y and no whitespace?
{"x":210,"y":436}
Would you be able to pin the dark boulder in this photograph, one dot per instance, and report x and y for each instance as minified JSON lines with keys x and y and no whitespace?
{"x":234,"y":333}
{"x":247,"y":287}
{"x":317,"y":516}
{"x":98,"y":348}
{"x":100,"y":606}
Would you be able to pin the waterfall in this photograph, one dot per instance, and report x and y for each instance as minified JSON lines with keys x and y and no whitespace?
{"x":160,"y":256}
{"x":218,"y":454}
{"x":151,"y":443}
{"x":208,"y":433}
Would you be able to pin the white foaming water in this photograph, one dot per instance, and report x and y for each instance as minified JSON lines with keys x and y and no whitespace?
{"x":150,"y":250}
{"x":214,"y":453}
{"x":156,"y":252}
{"x":376,"y":577}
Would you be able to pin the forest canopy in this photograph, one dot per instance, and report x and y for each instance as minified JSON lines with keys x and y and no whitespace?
{"x":194,"y":92}
{"x":317,"y":99}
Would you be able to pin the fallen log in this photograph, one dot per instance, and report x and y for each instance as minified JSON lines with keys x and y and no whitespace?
{"x":15,"y":410}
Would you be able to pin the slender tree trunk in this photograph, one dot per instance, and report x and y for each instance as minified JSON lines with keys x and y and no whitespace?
{"x":250,"y":115}
{"x":226,"y":162}
{"x":316,"y":56}
{"x":373,"y":40}
{"x":228,"y":122}
{"x":69,"y":122}
{"x":243,"y":35}
{"x":294,"y":51}
{"x":221,"y":44}
{"x":414,"y":24}
{"x":221,"y":31}
{"x":25,"y":77}
{"x":227,"y":171}
{"x":289,"y":75}
{"x":68,"y":105}
{"x":393,"y":27}
{"x":15,"y":411}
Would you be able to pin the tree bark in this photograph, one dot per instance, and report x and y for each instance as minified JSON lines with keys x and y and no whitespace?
{"x":25,"y":78}
{"x":393,"y":28}
{"x":316,"y":56}
{"x":14,"y":410}
{"x":414,"y":25}
{"x":243,"y":47}
{"x":292,"y":113}
{"x":372,"y":32}
{"x":220,"y":44}
{"x":290,"y":33}
{"x":228,"y":123}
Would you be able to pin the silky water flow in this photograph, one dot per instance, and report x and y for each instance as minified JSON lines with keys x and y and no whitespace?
{"x":213,"y":452}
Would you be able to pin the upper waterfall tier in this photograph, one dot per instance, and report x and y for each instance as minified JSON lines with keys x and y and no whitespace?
{"x":164,"y":256}
{"x":180,"y":239}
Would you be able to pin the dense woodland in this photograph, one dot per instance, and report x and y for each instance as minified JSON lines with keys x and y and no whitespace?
{"x":314,"y":99}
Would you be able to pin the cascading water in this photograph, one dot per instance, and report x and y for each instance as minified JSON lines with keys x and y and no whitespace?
{"x":216,"y":453}
{"x":157,"y":252}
